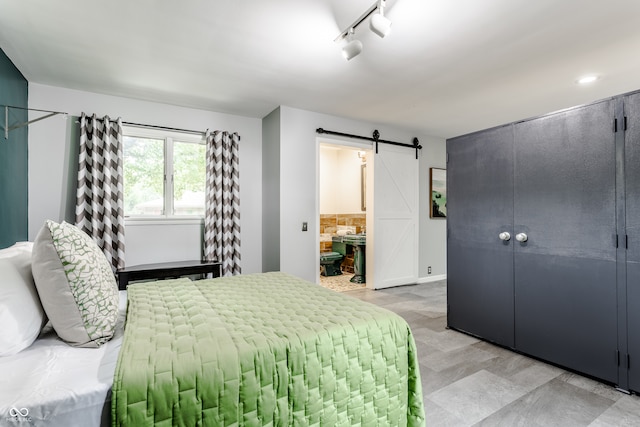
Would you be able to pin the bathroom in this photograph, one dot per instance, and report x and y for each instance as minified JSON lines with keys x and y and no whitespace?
{"x":342,"y":190}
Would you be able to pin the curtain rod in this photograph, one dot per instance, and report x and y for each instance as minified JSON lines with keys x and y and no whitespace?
{"x":375,"y":138}
{"x":199,"y":132}
{"x":8,"y":128}
{"x":140,"y":125}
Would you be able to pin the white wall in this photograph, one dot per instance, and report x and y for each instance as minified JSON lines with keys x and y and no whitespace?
{"x":49,"y":153}
{"x":298,"y":168}
{"x":348,"y":186}
{"x":339,"y":180}
{"x":49,"y":150}
{"x":433,"y":232}
{"x":328,"y":164}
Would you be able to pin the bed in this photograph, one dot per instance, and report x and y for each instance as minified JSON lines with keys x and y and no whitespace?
{"x":257,"y":349}
{"x":51,"y":383}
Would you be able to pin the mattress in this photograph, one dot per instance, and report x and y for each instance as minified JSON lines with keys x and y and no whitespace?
{"x":53,"y":384}
{"x":263,"y":349}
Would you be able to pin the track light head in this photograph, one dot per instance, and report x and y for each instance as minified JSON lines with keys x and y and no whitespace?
{"x":352,"y":49}
{"x":380,"y":25}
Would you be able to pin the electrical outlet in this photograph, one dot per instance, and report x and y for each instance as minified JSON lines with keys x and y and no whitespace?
{"x":429,"y":270}
{"x":304,"y":226}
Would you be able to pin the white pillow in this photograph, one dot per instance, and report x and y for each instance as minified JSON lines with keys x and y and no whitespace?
{"x":21,"y":314}
{"x":76,"y":285}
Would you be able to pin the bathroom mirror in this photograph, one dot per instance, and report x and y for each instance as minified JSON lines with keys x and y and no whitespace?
{"x":363,"y":186}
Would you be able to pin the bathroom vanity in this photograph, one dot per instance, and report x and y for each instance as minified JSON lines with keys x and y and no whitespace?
{"x":355,"y":243}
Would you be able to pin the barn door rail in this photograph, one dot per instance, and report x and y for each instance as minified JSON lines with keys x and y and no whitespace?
{"x":375,"y":138}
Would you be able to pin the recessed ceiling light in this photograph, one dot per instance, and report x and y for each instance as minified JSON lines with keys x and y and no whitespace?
{"x":587,"y":79}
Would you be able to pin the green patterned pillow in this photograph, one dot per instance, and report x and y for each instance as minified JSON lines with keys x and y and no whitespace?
{"x":76,"y":285}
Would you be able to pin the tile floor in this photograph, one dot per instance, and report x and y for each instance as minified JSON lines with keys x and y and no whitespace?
{"x":340,"y":283}
{"x":468,"y":382}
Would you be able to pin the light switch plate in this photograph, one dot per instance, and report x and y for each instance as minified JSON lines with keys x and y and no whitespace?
{"x":304,"y":226}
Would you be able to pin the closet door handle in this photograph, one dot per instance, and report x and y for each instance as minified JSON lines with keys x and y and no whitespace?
{"x":504,"y":236}
{"x":521,"y":237}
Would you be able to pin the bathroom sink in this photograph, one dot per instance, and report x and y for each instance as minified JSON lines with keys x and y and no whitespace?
{"x":355,"y":239}
{"x":358,"y":241}
{"x":352,"y":243}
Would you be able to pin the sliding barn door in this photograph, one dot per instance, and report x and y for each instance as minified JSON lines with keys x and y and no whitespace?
{"x":480,"y":209}
{"x":565,"y":272}
{"x":395,"y":214}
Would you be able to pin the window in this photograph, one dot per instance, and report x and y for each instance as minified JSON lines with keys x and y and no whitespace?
{"x":164,"y":174}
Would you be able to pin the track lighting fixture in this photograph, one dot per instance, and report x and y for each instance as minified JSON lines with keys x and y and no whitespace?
{"x":352,"y":48}
{"x":378,"y":23}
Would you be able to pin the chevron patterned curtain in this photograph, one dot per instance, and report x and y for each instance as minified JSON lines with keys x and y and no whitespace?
{"x":99,"y":202}
{"x":222,"y":205}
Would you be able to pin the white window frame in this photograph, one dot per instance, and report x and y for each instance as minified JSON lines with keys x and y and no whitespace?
{"x":168,"y":136}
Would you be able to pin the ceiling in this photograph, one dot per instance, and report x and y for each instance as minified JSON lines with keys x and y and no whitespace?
{"x":448,"y":67}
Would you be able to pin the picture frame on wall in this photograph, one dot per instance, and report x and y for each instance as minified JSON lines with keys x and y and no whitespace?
{"x":438,"y":193}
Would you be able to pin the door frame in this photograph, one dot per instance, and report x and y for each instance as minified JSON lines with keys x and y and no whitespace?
{"x":363,"y":146}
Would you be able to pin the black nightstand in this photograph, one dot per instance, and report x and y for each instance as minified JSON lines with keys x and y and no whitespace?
{"x":166,"y":270}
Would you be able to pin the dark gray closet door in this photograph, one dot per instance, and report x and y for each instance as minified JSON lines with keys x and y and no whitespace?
{"x":565,"y":273}
{"x":479,"y":208}
{"x":632,"y":186}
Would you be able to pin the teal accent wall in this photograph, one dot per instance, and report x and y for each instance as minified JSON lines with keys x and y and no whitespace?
{"x":14,"y":172}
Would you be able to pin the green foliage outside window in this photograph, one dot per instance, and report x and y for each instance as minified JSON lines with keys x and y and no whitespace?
{"x":189,"y":169}
{"x":144,"y":170}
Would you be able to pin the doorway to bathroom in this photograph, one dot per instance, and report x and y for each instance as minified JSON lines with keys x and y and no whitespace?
{"x":342,"y":194}
{"x":390,"y":241}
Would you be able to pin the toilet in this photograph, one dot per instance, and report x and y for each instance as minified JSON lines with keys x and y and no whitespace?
{"x":330,"y":263}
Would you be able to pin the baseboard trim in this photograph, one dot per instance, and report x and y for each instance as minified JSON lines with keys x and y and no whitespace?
{"x":430,"y":279}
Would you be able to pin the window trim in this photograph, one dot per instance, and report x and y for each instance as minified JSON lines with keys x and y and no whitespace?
{"x":156,"y":220}
{"x":169,"y":137}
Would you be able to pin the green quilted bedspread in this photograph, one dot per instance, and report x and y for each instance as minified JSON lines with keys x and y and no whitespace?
{"x":262,"y":350}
